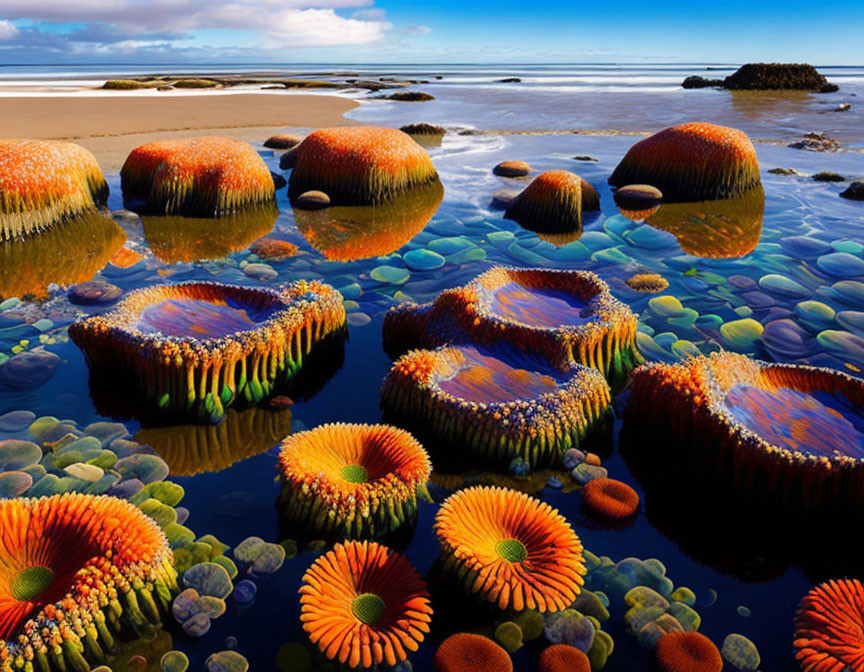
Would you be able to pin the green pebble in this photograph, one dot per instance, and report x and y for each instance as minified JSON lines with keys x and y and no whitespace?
{"x":509,"y":635}
{"x":390,"y":275}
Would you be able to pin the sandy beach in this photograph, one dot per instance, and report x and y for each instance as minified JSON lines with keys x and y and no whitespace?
{"x":111,"y":126}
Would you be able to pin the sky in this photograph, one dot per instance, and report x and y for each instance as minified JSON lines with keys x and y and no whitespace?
{"x":828,"y":32}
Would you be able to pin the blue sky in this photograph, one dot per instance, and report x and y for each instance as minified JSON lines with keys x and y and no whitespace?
{"x":444,"y":31}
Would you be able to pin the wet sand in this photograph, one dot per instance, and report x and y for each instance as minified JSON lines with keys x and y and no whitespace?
{"x":111,"y":126}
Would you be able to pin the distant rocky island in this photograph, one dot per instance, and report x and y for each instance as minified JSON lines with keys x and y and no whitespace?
{"x":767,"y":77}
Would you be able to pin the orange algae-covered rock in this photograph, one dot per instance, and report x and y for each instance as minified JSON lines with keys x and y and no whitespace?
{"x":44,"y":182}
{"x":364,"y":605}
{"x":563,"y":658}
{"x":512,"y":169}
{"x":650,"y":283}
{"x":359,"y":165}
{"x":691,"y":162}
{"x":829,"y":627}
{"x":609,"y":498}
{"x":687,"y":652}
{"x":467,"y":652}
{"x":200,"y":177}
{"x":553,"y":202}
{"x":273,"y":249}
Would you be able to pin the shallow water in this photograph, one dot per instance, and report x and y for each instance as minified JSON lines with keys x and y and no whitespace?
{"x":807,"y":248}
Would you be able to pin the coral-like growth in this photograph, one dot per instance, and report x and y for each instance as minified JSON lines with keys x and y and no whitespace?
{"x":789,"y":432}
{"x":611,"y":499}
{"x":43,"y":182}
{"x":363,"y":605}
{"x":692,"y":162}
{"x":467,"y":652}
{"x":201,"y":177}
{"x":197,"y":348}
{"x":553,"y":202}
{"x":352,"y":481}
{"x":563,"y":658}
{"x":829,"y":627}
{"x":346,"y":233}
{"x":687,"y":652}
{"x":510,"y":549}
{"x":649,"y":283}
{"x":542,"y":310}
{"x":359,"y":165}
{"x":76,"y":573}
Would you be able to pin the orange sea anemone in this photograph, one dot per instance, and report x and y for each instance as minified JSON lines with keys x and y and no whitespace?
{"x":650,"y":283}
{"x":692,"y":162}
{"x":563,"y":658}
{"x":829,"y":627}
{"x":790,"y":432}
{"x":609,"y":498}
{"x":197,"y":348}
{"x":510,"y":549}
{"x":201,"y":177}
{"x":356,"y":481}
{"x":76,"y":572}
{"x":467,"y":652}
{"x":363,"y":605}
{"x":687,"y":652}
{"x":553,"y":202}
{"x":359,"y":165}
{"x":43,"y":182}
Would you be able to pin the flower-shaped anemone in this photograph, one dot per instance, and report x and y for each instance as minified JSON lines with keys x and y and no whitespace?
{"x":649,"y":283}
{"x":201,"y":177}
{"x":363,"y":605}
{"x":197,"y":348}
{"x":687,"y":652}
{"x":791,"y":432}
{"x":541,"y":309}
{"x":346,"y":233}
{"x":359,"y":165}
{"x":511,"y":549}
{"x":611,"y":499}
{"x":467,"y":652}
{"x":563,"y":658}
{"x":499,"y":401}
{"x":43,"y":182}
{"x":76,"y":572}
{"x":829,"y":627}
{"x":553,"y":202}
{"x":692,"y":162}
{"x":357,"y":481}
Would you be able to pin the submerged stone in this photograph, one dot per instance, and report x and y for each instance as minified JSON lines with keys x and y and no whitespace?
{"x":740,"y":653}
{"x":423,"y":260}
{"x":16,"y":455}
{"x":208,"y":578}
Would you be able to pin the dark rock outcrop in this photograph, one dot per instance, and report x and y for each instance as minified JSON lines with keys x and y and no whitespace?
{"x":816,"y":142}
{"x":855,"y":191}
{"x":699,"y":82}
{"x":778,"y":76}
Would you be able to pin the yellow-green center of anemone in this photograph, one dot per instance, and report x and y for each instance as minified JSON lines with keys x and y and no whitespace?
{"x":354,"y":473}
{"x":511,"y":550}
{"x":368,"y":608}
{"x":31,"y":582}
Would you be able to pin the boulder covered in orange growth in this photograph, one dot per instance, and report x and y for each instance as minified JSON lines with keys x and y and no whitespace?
{"x":359,"y":165}
{"x":829,"y":627}
{"x":691,"y":162}
{"x":201,"y":177}
{"x":43,"y":182}
{"x":553,"y":202}
{"x":467,"y":652}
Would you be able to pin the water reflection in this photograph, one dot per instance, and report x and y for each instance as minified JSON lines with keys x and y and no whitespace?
{"x":348,"y":233}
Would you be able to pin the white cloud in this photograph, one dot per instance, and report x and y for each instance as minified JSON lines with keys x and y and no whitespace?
{"x":7,"y":30}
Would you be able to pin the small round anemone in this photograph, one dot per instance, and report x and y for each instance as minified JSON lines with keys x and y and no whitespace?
{"x":201,"y":177}
{"x":76,"y":573}
{"x":691,"y":162}
{"x":363,"y":605}
{"x":196,"y":348}
{"x":649,"y":283}
{"x":789,"y":432}
{"x":553,"y":202}
{"x":539,"y":309}
{"x":829,"y":627}
{"x":611,"y":499}
{"x":498,"y":401}
{"x":359,"y":165}
{"x":687,"y":652}
{"x":510,"y":549}
{"x":43,"y":182}
{"x":346,"y":233}
{"x":563,"y":658}
{"x":467,"y":652}
{"x":343,"y":480}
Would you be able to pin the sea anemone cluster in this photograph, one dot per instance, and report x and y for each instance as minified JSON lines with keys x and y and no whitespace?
{"x":359,"y":165}
{"x":543,"y":310}
{"x":510,"y":549}
{"x":200,"y":177}
{"x":553,"y":202}
{"x":691,"y":162}
{"x":77,"y":572}
{"x":829,"y":627}
{"x":197,"y":348}
{"x":45,"y":182}
{"x":351,"y":481}
{"x":791,"y":432}
{"x":364,"y":605}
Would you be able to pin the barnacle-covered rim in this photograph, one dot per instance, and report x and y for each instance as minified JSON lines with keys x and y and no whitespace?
{"x":513,"y":550}
{"x":829,"y":627}
{"x":364,"y":604}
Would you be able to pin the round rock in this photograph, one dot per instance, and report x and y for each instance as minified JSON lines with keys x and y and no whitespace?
{"x":512,"y":169}
{"x":282,"y":141}
{"x":27,"y":370}
{"x":312,"y":200}
{"x":94,"y":293}
{"x":855,"y":191}
{"x":638,"y":196}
